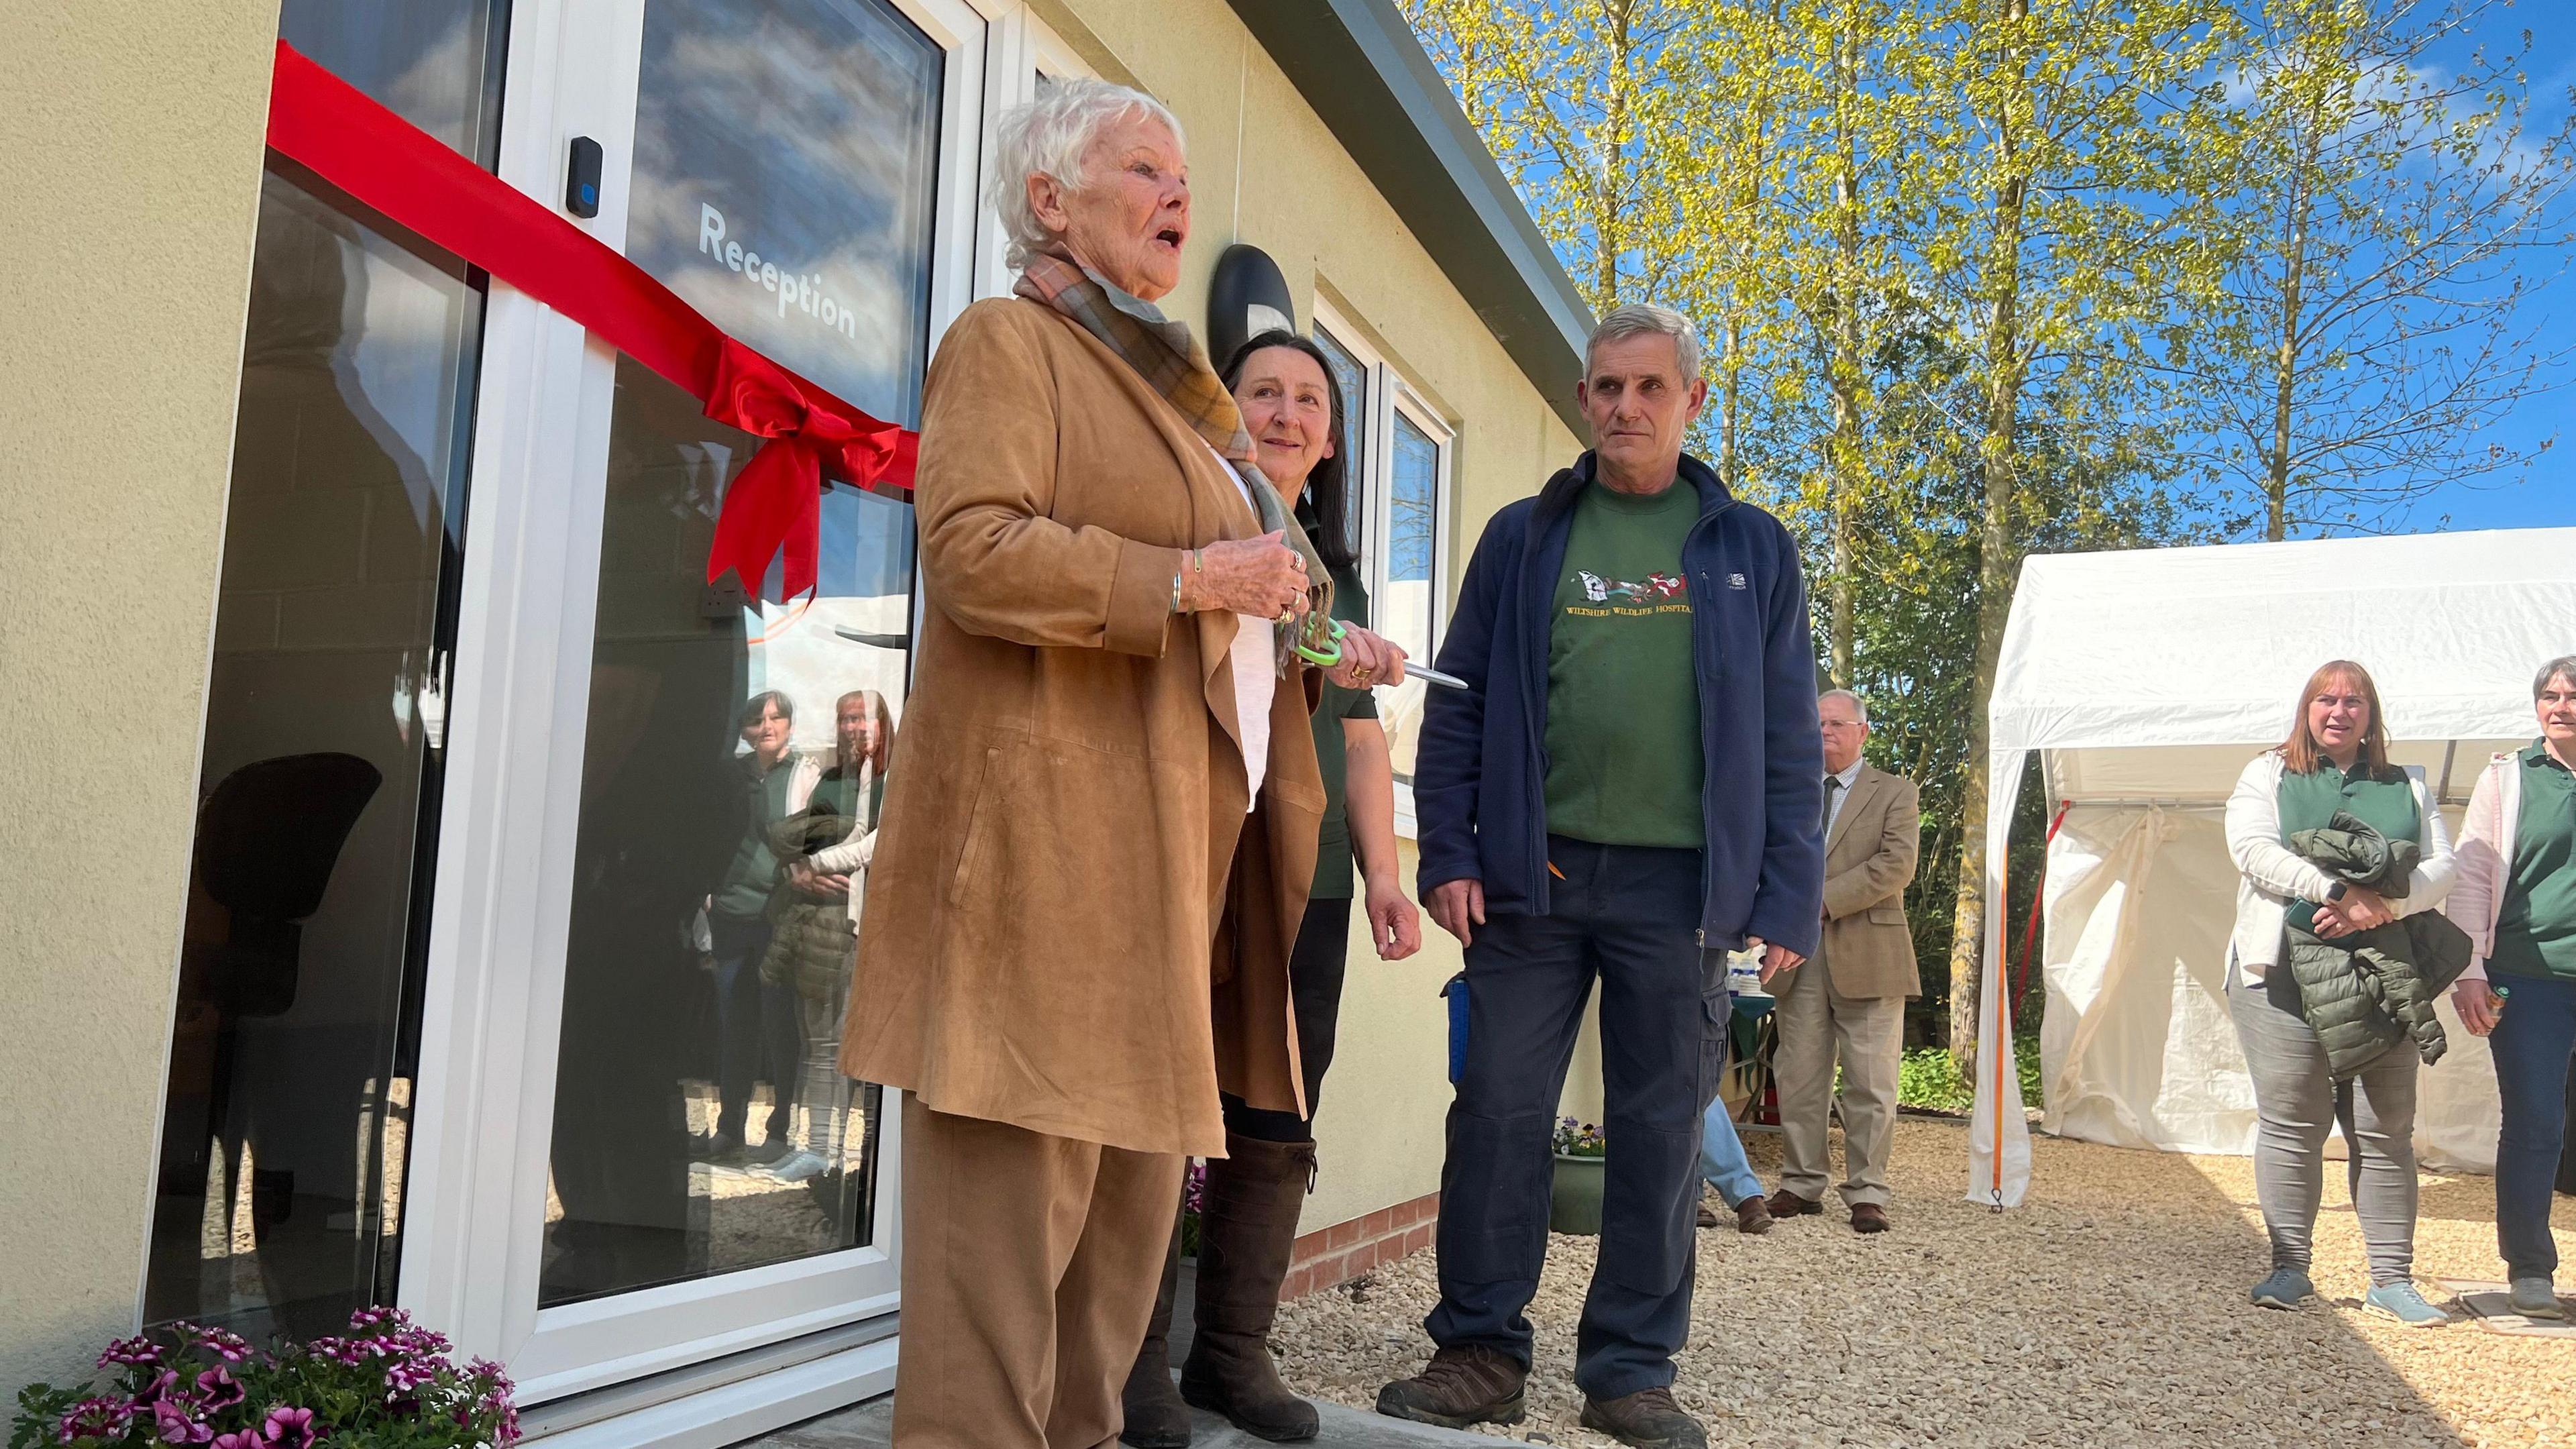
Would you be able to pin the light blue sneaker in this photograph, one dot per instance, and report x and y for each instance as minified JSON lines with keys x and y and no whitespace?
{"x":2284,"y":1289}
{"x":2535,"y":1297}
{"x":2404,"y":1303}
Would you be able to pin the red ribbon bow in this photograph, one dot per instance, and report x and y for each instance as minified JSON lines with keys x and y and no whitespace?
{"x":382,"y":161}
{"x":778,"y":496}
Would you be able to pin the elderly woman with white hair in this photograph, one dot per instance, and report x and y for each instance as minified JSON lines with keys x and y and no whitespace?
{"x":1105,"y":776}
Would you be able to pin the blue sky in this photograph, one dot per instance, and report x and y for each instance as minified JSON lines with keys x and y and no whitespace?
{"x":2546,"y":497}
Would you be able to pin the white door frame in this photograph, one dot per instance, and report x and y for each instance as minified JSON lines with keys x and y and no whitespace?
{"x":476,"y":1186}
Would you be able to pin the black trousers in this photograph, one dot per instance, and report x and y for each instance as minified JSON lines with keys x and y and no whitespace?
{"x":1628,"y":917}
{"x":1315,"y":968}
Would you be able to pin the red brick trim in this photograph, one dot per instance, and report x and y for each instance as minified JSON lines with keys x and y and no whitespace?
{"x":1335,"y":1255}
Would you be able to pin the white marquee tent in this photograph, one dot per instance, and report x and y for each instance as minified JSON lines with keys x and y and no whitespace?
{"x":2146,"y":680}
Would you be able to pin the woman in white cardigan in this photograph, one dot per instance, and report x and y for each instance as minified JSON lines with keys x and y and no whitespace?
{"x":2335,"y":759}
{"x":863,"y":733}
{"x":2517,"y":900}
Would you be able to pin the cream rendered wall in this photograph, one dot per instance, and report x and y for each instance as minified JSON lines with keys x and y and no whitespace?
{"x":130,"y":152}
{"x":1265,"y":169}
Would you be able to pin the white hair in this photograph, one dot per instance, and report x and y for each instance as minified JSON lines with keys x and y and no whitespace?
{"x":1643,"y":319}
{"x":1053,"y":136}
{"x":1860,"y":706}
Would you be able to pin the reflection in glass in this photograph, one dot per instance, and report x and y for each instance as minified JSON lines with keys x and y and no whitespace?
{"x":785,"y":164}
{"x":737,"y":751}
{"x":436,"y":63}
{"x":280,"y":1181}
{"x":1353,"y":380}
{"x":1405,"y":611}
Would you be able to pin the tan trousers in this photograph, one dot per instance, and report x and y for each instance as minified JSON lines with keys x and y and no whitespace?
{"x":1030,"y":1265}
{"x":1816,"y":1026}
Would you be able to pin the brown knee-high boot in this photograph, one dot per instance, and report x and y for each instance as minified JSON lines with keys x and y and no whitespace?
{"x":1156,"y":1417}
{"x":1247,"y":1227}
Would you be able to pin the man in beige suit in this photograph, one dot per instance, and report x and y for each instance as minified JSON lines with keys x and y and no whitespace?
{"x":1849,"y":1000}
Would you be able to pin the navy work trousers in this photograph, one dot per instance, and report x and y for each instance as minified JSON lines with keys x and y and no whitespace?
{"x":1628,"y":917}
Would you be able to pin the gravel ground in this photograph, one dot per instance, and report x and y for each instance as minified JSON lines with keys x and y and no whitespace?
{"x":2108,"y":1310}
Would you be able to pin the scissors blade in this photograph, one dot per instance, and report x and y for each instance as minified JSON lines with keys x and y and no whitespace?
{"x":1433,"y":676}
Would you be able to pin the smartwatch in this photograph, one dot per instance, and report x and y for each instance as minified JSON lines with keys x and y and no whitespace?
{"x":2335,"y":892}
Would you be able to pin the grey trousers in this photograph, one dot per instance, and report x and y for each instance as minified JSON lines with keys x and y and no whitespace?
{"x":824,"y":1092}
{"x":1816,"y":1026}
{"x":2296,"y":1102}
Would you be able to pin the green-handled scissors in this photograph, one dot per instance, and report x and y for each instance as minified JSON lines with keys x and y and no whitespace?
{"x":1318,"y":637}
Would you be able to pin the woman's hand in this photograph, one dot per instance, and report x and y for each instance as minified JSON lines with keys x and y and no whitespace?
{"x":2363,"y":909}
{"x":1368,"y":659}
{"x":2477,"y":1004}
{"x":809,"y":881}
{"x":1258,"y":576}
{"x":1395,"y":926}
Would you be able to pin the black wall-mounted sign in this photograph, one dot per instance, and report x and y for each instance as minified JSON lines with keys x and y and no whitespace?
{"x":1246,"y":298}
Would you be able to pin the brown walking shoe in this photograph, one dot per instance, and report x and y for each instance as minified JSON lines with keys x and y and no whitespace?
{"x":1645,"y":1420}
{"x":1787,"y":1204}
{"x":1470,"y":1384}
{"x":1869,"y":1217}
{"x":1753,"y":1215}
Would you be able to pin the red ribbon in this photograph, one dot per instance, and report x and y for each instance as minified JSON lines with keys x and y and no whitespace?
{"x":386,"y":163}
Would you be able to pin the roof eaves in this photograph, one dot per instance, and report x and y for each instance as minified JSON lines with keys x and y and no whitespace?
{"x":1358,"y":64}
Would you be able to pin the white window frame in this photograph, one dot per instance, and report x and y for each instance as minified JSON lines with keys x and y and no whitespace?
{"x":481,"y":1135}
{"x":1019,"y":48}
{"x":1389,"y":394}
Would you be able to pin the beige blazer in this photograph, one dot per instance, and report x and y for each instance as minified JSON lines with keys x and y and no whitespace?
{"x":1868,"y":949}
{"x":1071,"y":923}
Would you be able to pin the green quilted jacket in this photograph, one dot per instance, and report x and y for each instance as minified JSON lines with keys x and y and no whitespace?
{"x":2363,"y":994}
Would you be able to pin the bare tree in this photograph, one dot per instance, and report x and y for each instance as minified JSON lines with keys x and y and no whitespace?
{"x":2392,"y":220}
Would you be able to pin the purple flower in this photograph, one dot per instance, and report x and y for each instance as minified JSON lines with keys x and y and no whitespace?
{"x":246,"y":1439}
{"x":97,"y":1419}
{"x":157,"y":1390}
{"x":217,"y":1390}
{"x":136,"y":1352}
{"x":230,"y":1347}
{"x":290,"y":1428}
{"x":175,"y":1422}
{"x":371,"y":1317}
{"x":410,"y":1375}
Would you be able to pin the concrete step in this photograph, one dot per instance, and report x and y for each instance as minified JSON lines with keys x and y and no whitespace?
{"x":870,"y":1426}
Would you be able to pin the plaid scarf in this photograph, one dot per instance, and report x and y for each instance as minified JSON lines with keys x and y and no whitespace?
{"x":1169,"y":359}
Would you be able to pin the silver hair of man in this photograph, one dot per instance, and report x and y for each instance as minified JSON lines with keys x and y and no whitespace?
{"x":1642,"y":319}
{"x":1053,"y":136}
{"x":2562,"y":667}
{"x":1859,"y":705}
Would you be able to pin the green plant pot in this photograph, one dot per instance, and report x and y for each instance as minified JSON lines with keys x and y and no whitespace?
{"x":1574,"y":1201}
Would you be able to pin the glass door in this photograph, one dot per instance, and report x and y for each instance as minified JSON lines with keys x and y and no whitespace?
{"x":281,"y":1182}
{"x":674,"y":784}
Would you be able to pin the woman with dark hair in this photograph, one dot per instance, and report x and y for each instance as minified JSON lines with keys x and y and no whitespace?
{"x":756,"y":1034}
{"x":2333,"y":767}
{"x":826,"y":848}
{"x":2517,"y":900}
{"x":1248,"y":1216}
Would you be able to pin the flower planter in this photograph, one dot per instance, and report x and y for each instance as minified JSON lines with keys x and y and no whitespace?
{"x":1574,"y":1200}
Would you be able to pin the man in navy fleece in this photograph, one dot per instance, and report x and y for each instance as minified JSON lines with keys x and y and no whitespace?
{"x":1631,"y":786}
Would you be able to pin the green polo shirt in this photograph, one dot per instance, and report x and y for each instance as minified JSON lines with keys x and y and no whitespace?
{"x":1624,"y":761}
{"x":2536,"y":927}
{"x":1334,"y":878}
{"x":2309,"y":802}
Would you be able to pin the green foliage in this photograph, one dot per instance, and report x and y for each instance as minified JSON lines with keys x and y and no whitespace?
{"x":1929,"y":1077}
